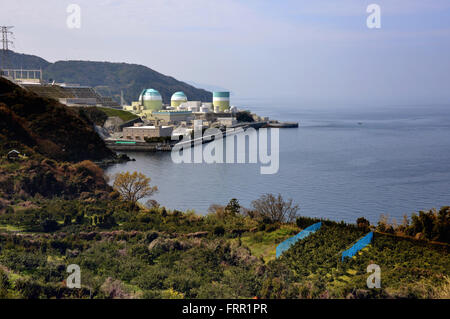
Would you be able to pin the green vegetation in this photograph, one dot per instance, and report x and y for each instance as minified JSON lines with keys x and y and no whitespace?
{"x":409,"y":268}
{"x":263,"y":243}
{"x":321,"y":250}
{"x":123,"y":115}
{"x":244,"y":116}
{"x":126,"y":251}
{"x":432,"y":225}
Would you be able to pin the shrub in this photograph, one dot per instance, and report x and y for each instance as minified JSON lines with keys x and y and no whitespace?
{"x":29,"y":289}
{"x":219,"y":230}
{"x":272,"y":227}
{"x":49,"y":225}
{"x":4,"y":281}
{"x":363,"y":223}
{"x":67,"y":220}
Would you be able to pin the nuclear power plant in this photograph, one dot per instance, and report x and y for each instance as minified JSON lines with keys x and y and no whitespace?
{"x":150,"y":106}
{"x":154,"y":119}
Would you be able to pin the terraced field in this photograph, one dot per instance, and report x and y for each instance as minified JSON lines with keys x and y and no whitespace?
{"x":320,"y":251}
{"x":409,"y":268}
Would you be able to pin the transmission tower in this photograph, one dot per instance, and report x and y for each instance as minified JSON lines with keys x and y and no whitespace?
{"x":5,"y":46}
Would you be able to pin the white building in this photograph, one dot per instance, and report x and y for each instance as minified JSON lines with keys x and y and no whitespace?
{"x":227,"y":121}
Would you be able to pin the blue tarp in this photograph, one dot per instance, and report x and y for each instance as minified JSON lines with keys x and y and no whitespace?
{"x":281,"y":248}
{"x":360,"y":244}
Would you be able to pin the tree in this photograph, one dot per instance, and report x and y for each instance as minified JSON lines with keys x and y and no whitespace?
{"x":383,"y":224}
{"x":217,"y":210}
{"x":363,"y":223}
{"x":151,"y":203}
{"x":442,"y":227}
{"x":233,"y":207}
{"x":244,"y":116}
{"x":275,"y":208}
{"x":133,"y":186}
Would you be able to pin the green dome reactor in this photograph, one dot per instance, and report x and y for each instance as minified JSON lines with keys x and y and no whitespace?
{"x":151,"y":100}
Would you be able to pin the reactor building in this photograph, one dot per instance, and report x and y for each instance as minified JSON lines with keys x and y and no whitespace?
{"x":151,"y":100}
{"x":221,"y":101}
{"x":177,"y":99}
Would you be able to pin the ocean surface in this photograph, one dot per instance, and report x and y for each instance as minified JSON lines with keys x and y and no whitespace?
{"x":343,"y":162}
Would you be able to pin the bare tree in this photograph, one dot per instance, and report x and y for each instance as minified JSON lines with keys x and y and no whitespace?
{"x":275,"y":208}
{"x":133,"y":186}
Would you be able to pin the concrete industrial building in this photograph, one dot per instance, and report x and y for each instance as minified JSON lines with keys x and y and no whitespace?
{"x":207,"y":107}
{"x":139,"y":133}
{"x":170,"y":117}
{"x":193,"y":106}
{"x":21,"y":76}
{"x":227,"y":121}
{"x":221,"y":101}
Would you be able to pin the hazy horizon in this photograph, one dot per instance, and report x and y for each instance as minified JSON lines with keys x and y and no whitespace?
{"x":313,"y":51}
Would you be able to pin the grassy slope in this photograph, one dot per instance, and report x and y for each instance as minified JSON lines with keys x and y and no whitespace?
{"x":124,"y":115}
{"x":263,"y":244}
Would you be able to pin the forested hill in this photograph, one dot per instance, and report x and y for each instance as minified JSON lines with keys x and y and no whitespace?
{"x":35,"y":125}
{"x":108,"y":78}
{"x":24,"y":61}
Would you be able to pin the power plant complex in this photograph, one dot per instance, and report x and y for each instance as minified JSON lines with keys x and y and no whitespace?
{"x":150,"y":105}
{"x":153,"y":121}
{"x":150,"y":100}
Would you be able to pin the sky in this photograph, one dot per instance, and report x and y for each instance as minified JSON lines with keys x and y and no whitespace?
{"x":318,"y":51}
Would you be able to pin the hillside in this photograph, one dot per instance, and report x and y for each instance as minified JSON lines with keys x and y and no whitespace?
{"x":109,"y":79}
{"x":160,"y":253}
{"x":25,"y":61}
{"x":36,"y":125}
